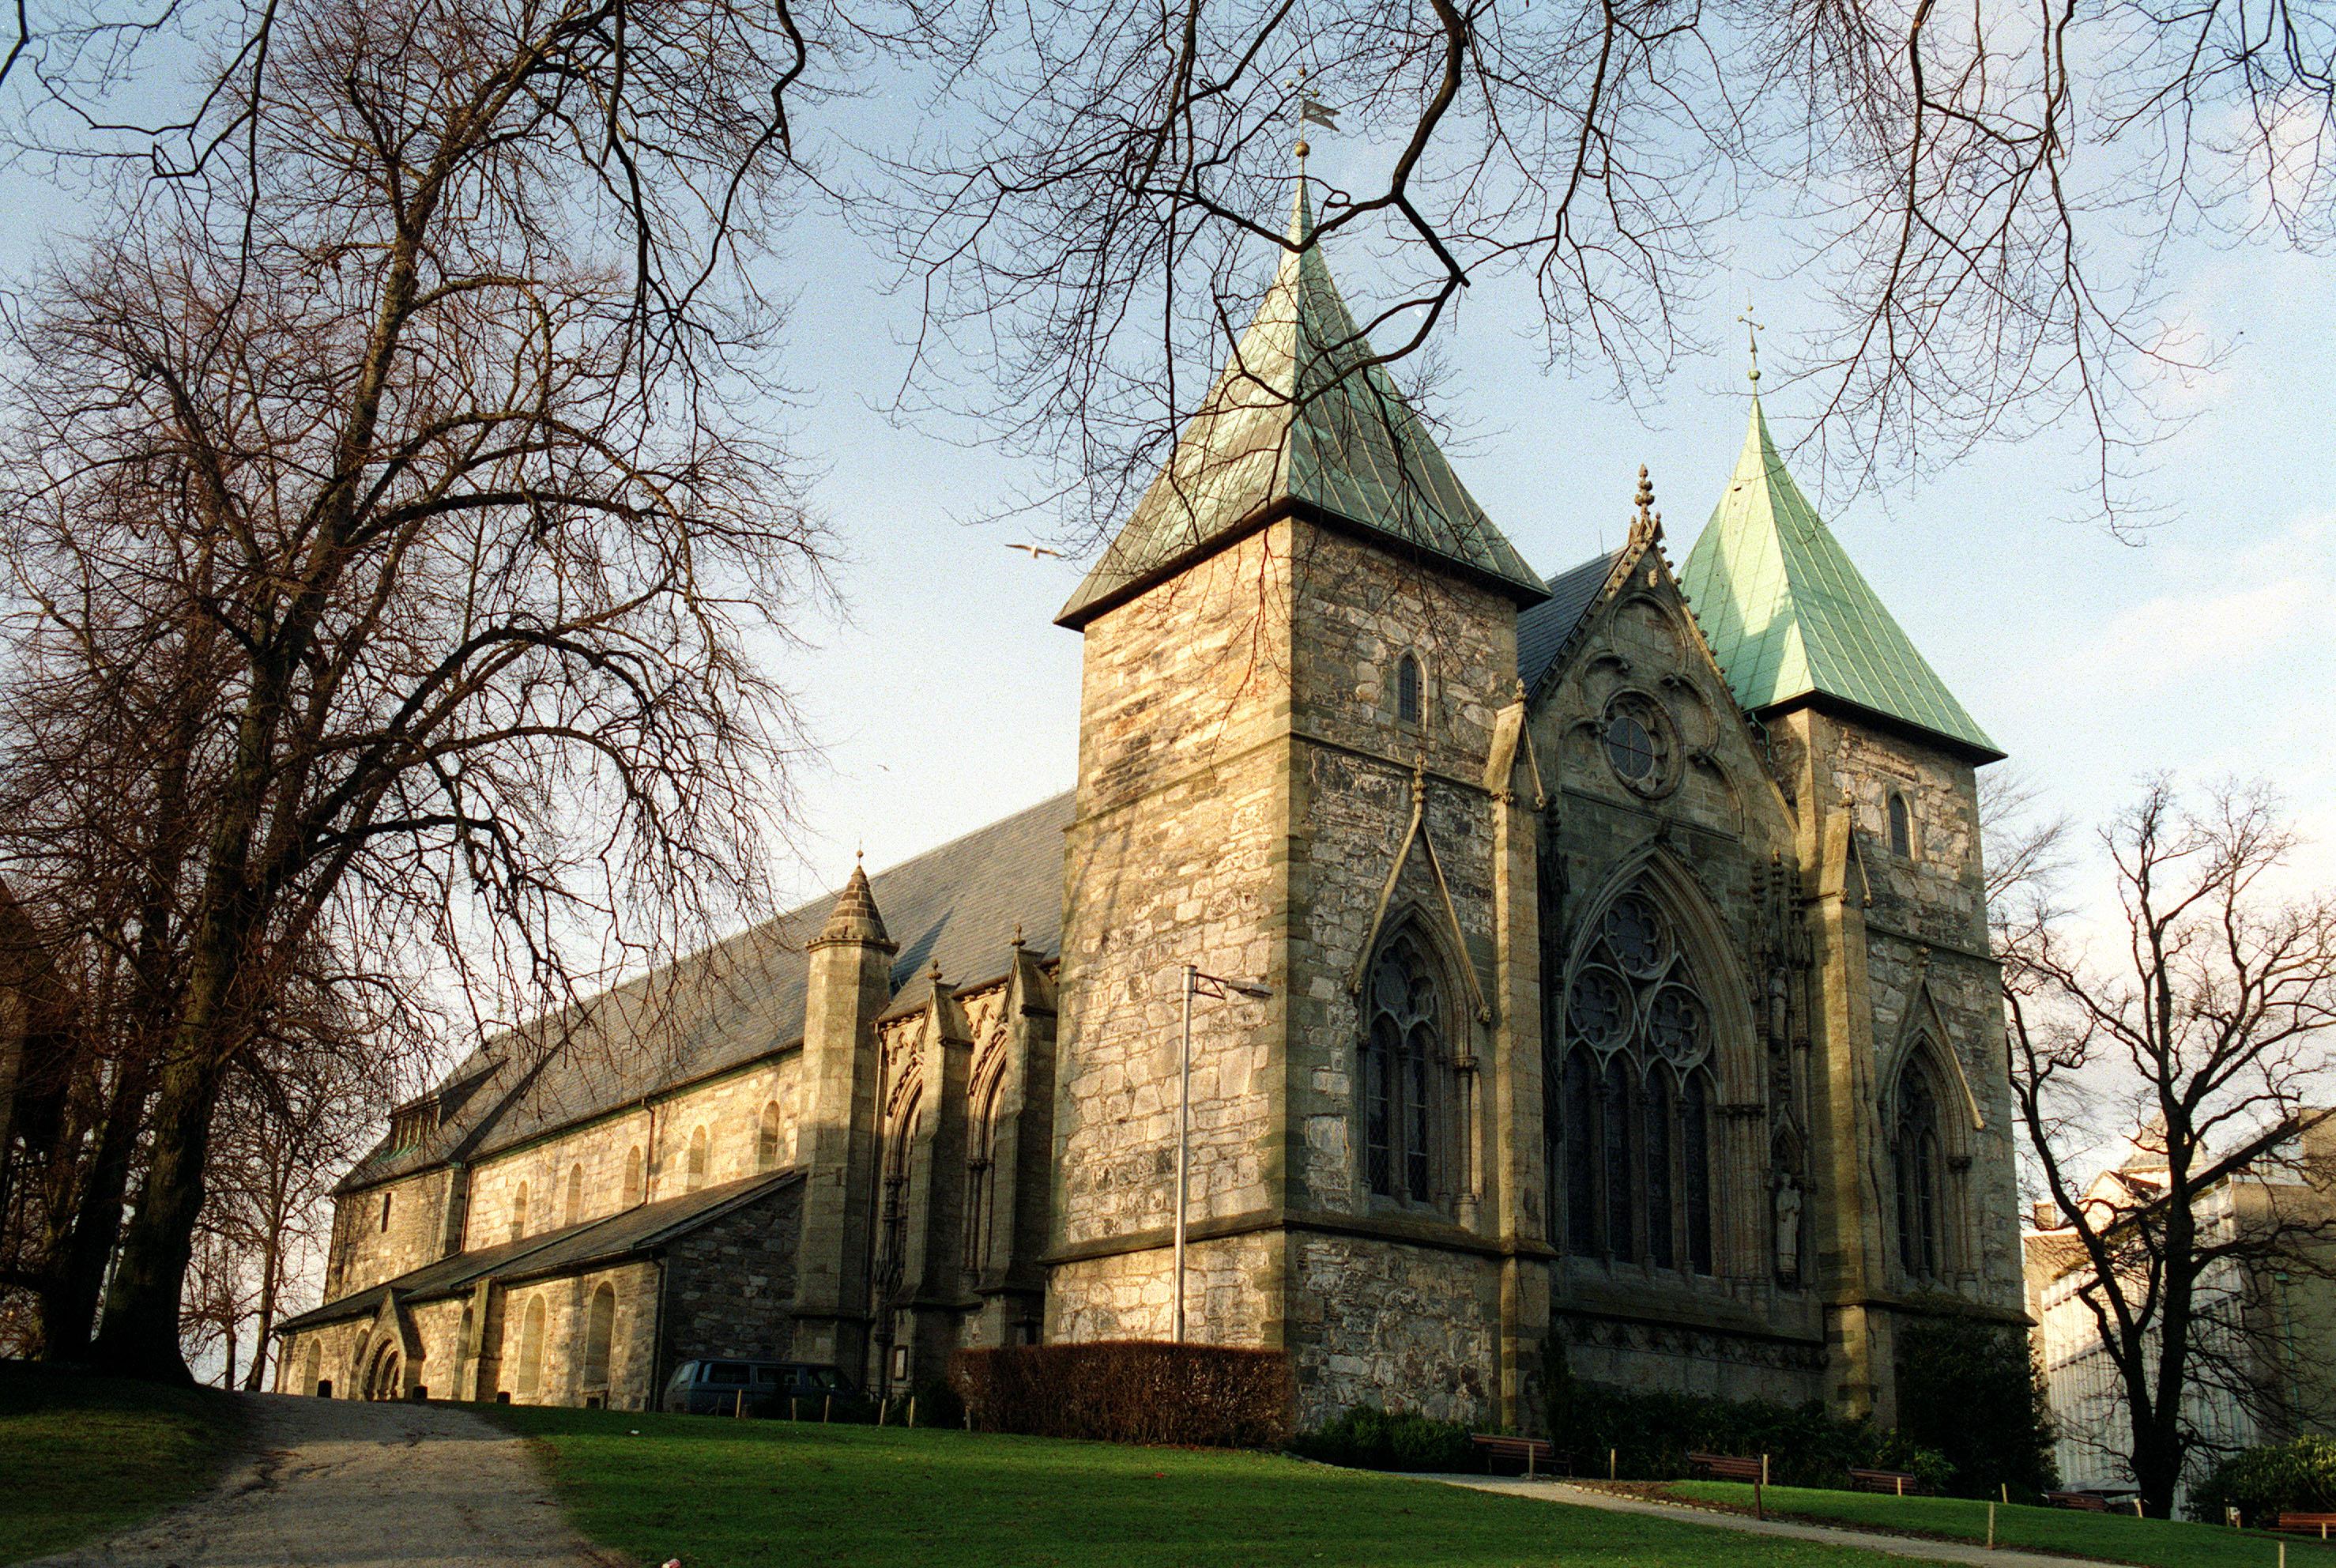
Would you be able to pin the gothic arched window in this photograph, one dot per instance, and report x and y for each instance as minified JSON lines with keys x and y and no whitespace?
{"x":767,"y":1138}
{"x":1901,"y":827}
{"x":635,"y":1179}
{"x":575,"y":1208}
{"x":599,"y":1333}
{"x":1918,"y":1166}
{"x":981,"y":1177}
{"x":519,"y":1211}
{"x":1630,"y":1155}
{"x":1408,"y":701}
{"x":531,"y":1349}
{"x":701,"y":1157}
{"x":1403,"y":1067}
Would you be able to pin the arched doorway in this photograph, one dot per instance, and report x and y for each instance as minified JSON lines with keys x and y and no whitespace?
{"x":383,"y":1378}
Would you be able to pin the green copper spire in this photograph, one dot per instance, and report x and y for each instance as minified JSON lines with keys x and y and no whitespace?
{"x":1299,"y":415}
{"x":1789,"y":616}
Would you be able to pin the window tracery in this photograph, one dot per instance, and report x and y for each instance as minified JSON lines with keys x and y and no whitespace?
{"x":1630,"y":1144}
{"x":1918,"y":1166}
{"x":1404,"y":1063}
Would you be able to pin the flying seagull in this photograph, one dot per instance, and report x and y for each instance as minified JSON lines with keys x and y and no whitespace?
{"x":1036,"y":551}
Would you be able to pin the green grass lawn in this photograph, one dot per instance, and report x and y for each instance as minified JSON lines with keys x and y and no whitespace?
{"x":721,"y":1493}
{"x":2112,"y":1537}
{"x":82,"y":1457}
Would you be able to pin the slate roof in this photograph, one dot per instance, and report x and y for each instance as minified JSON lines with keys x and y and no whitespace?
{"x":1789,"y":615}
{"x":1543,"y":629}
{"x":641,"y":1229}
{"x":1301,"y":415}
{"x":957,"y":905}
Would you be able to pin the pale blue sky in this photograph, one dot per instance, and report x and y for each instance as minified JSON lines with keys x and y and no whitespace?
{"x":948,"y":698}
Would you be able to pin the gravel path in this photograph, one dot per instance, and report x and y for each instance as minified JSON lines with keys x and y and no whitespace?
{"x":1958,"y":1551}
{"x":344,"y":1484}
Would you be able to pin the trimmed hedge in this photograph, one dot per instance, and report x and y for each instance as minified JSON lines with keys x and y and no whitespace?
{"x":1130,"y":1391}
{"x":2262,"y":1484}
{"x":1653,"y":1433}
{"x":1368,"y":1439}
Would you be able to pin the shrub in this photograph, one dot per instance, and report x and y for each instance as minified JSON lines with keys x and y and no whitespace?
{"x":1652,"y":1433}
{"x":1971,"y":1391}
{"x":1370,"y":1438}
{"x":1130,"y":1391}
{"x":2262,"y":1484}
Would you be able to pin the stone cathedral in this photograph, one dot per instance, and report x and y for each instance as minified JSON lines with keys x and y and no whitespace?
{"x":1629,"y":977}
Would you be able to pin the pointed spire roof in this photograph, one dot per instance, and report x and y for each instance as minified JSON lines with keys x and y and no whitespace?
{"x":1300,"y":417}
{"x":855,"y":919}
{"x":1789,"y":615}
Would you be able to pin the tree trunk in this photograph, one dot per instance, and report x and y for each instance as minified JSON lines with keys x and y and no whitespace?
{"x":69,"y":1315}
{"x":141,"y":1335}
{"x":272,"y":1253}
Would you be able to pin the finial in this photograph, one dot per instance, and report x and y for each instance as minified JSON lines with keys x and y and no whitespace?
{"x":934,"y":974}
{"x":1017,"y":933}
{"x":1311,"y":110}
{"x":1646,"y":523}
{"x":1752,"y":331}
{"x":1520,"y":688}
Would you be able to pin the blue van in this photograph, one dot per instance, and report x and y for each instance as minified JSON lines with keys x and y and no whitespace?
{"x":711,"y":1387}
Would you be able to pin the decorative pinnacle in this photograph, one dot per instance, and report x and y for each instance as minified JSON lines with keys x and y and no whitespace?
{"x":1646,"y":523}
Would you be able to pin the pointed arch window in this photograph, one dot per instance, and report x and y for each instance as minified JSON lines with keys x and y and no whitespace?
{"x":574,"y":1209}
{"x":1919,"y":1168}
{"x":767,"y":1138}
{"x":701,"y":1156}
{"x":1630,"y":1151}
{"x":1901,"y":827}
{"x":531,"y":1349}
{"x":519,"y":1211}
{"x":635,"y":1178}
{"x":1404,"y":1064}
{"x":981,"y":1177}
{"x":1409,"y":695}
{"x":600,"y":1335}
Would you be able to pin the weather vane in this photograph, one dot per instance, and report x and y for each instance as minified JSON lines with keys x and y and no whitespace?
{"x":1311,"y":110}
{"x":1752,"y":330}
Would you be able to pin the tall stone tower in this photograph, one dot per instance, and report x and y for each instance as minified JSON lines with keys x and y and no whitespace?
{"x":1297,"y":653}
{"x":1916,"y":1212}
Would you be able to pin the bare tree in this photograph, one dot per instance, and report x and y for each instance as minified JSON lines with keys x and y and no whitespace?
{"x":2208,"y":1036}
{"x":387,"y":522}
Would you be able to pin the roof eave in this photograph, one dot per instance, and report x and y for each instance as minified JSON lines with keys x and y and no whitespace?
{"x":1079,"y":614}
{"x":1957,"y":746}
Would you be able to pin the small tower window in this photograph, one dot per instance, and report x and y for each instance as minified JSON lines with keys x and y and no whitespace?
{"x":1406,"y":689}
{"x":384,"y":1213}
{"x":1901,"y":827}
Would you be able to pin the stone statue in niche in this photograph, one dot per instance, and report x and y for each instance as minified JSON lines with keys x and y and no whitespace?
{"x":1788,"y":1228}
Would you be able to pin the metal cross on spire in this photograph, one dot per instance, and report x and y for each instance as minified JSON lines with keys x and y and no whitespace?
{"x":1752,"y":331}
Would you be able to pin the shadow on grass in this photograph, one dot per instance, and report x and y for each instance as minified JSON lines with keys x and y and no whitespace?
{"x":84,"y":1456}
{"x":722,"y":1493}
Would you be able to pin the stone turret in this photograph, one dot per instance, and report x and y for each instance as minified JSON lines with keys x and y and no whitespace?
{"x":849,"y":985}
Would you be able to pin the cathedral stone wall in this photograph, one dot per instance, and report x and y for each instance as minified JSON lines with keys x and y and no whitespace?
{"x":730,"y":1285}
{"x":365,"y":1252}
{"x":729,"y":1108}
{"x":567,"y":1304}
{"x":1178,"y":856}
{"x":1404,"y":1328}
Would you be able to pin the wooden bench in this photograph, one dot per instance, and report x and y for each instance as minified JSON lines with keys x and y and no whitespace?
{"x":1529,"y":1452}
{"x":1726,"y":1466}
{"x":1897,"y":1482}
{"x":2308,"y":1523}
{"x":2082,"y":1502}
